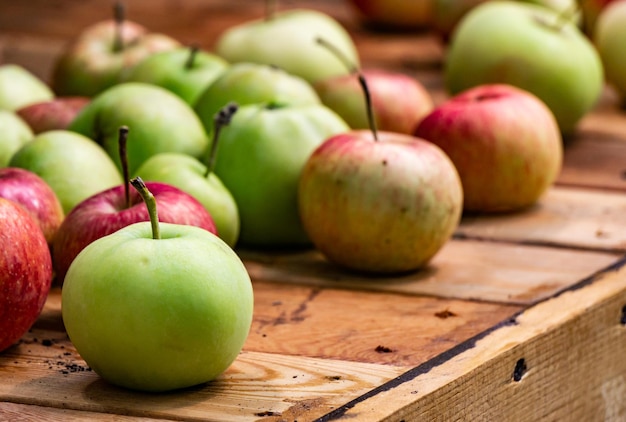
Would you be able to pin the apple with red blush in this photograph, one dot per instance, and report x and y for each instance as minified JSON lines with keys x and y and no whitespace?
{"x":25,"y":272}
{"x":53,"y":114}
{"x":379,"y":202}
{"x":35,"y":195}
{"x":399,"y":101}
{"x":504,"y":141}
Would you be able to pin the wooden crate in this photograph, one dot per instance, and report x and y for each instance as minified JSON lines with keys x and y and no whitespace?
{"x":521,"y":317}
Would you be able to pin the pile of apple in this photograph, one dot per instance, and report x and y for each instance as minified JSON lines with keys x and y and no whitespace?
{"x":277,"y":139}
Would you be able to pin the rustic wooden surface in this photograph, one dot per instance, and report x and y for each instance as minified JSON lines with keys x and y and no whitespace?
{"x":546,"y":285}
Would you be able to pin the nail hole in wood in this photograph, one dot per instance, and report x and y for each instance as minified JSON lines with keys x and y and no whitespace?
{"x":623,"y":318}
{"x":520,"y":370}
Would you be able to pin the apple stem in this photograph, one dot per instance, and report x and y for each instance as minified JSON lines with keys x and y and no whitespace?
{"x":151,"y":204}
{"x":193,"y":52}
{"x":352,"y":68}
{"x":222,"y":118}
{"x":118,"y":15}
{"x":121,"y":143}
{"x":565,"y":15}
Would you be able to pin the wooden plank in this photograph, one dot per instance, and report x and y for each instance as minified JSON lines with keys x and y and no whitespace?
{"x":21,"y":412}
{"x":596,"y":155}
{"x":564,"y":217}
{"x":48,"y":372}
{"x":486,"y":271}
{"x":573,"y":368}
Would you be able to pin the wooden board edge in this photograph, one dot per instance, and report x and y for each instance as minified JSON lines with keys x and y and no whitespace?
{"x":494,"y":364}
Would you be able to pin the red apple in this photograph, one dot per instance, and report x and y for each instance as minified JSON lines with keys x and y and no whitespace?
{"x":504,"y":142}
{"x":107,"y":212}
{"x":35,"y":195}
{"x":53,"y":114}
{"x":25,"y":272}
{"x":399,"y":101}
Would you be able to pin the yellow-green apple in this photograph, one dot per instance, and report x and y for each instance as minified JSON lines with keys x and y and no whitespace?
{"x":15,"y":133}
{"x":261,"y":154}
{"x":610,"y":38}
{"x":73,"y":165}
{"x":19,"y":88}
{"x":159,"y":121}
{"x":102,"y":53}
{"x":504,"y":142}
{"x":198,"y":179}
{"x":187,"y":72}
{"x":531,"y":47}
{"x":25,"y":272}
{"x":35,"y":195}
{"x":286,"y":39}
{"x":394,"y":14}
{"x":448,"y":13}
{"x":251,"y":83}
{"x":379,"y":202}
{"x":53,"y":114}
{"x":158,"y":306}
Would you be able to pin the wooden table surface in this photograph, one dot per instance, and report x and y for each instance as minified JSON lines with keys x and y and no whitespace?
{"x":521,"y":317}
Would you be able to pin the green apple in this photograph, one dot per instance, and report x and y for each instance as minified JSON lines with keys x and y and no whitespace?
{"x":158,"y":307}
{"x":102,"y":54}
{"x":159,"y":121}
{"x":184,"y":71}
{"x":250,"y":83}
{"x":199,"y":180}
{"x":261,"y":154}
{"x":15,"y":133}
{"x":610,"y":38}
{"x":74,"y":166}
{"x":19,"y":88}
{"x":287,"y":40}
{"x":531,"y":47}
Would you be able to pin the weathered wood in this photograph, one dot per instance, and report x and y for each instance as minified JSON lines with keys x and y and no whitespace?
{"x":573,"y":368}
{"x":44,"y":369}
{"x":479,"y":270}
{"x":22,"y":412}
{"x":564,"y":217}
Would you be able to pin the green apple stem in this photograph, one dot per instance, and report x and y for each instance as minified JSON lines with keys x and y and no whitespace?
{"x":352,"y":68}
{"x":193,"y":53}
{"x":222,"y":118}
{"x":118,"y":16}
{"x":564,"y":16}
{"x":151,"y":204}
{"x":121,"y":143}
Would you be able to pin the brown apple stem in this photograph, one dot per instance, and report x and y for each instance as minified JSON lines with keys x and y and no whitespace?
{"x":193,"y":53}
{"x":151,"y":204}
{"x":121,"y":143}
{"x":352,"y":68}
{"x":119,"y":16}
{"x":368,"y":106}
{"x":222,"y":118}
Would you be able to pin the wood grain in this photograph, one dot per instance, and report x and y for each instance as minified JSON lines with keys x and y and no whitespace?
{"x":463,"y":269}
{"x":45,"y":370}
{"x":564,"y":217}
{"x":572,"y":346}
